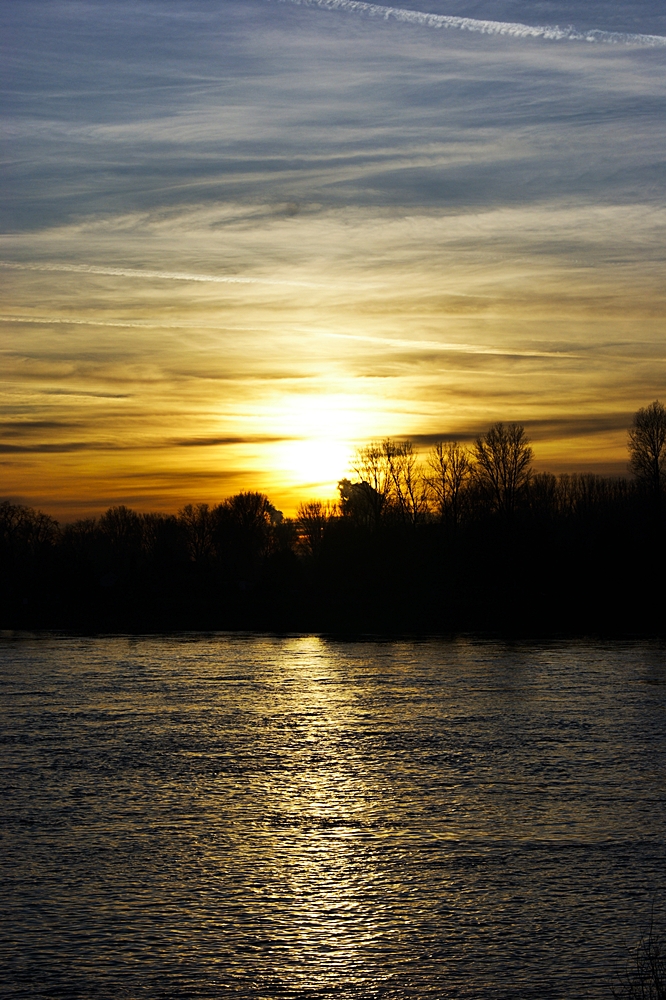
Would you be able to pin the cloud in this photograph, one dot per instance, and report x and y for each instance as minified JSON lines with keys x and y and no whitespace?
{"x":74,"y":321}
{"x":548,"y":429}
{"x":209,"y":442}
{"x":434,"y":347}
{"x":85,"y":393}
{"x":511,"y":29}
{"x":56,"y":448}
{"x":17,"y":427}
{"x":128,"y":272}
{"x":67,"y":447}
{"x":248,"y":105}
{"x":231,"y":224}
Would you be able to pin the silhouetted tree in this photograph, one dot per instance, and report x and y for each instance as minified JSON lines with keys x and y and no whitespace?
{"x":406,"y":482}
{"x":162,"y":537}
{"x":199,"y":524}
{"x":245,"y":528}
{"x":542,"y":493}
{"x":28,"y":540}
{"x":360,"y":503}
{"x":25,"y":530}
{"x":28,"y":543}
{"x":398,"y":489}
{"x":121,"y":533}
{"x":647,"y":448}
{"x":571,"y":556}
{"x":312,"y":520}
{"x":585,"y":495}
{"x":370,"y":466}
{"x":80,"y":539}
{"x":503,"y":458}
{"x":252,"y":512}
{"x":450,"y":469}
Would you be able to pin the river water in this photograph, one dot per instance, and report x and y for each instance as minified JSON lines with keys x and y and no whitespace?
{"x":259,"y":816}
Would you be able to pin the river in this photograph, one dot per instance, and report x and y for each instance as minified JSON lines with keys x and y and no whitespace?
{"x":228,"y":815}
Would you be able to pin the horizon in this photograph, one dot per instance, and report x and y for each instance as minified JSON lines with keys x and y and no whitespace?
{"x":76,"y":509}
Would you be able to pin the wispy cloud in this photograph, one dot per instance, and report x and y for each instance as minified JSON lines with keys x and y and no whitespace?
{"x":266,"y":229}
{"x":57,"y":447}
{"x":74,"y":321}
{"x":68,"y":447}
{"x":511,"y":29}
{"x":84,"y":393}
{"x":20,"y":427}
{"x":444,"y":347}
{"x":216,"y":442}
{"x":130,"y":272}
{"x":552,"y":429}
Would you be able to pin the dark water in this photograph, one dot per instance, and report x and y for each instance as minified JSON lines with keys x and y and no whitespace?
{"x":232,"y":816}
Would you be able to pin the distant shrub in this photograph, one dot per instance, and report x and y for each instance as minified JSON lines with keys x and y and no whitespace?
{"x":645,"y":975}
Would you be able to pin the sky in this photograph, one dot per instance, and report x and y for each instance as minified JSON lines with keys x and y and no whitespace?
{"x":241,"y":239}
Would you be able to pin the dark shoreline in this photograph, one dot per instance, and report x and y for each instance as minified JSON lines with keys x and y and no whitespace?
{"x":575,"y":558}
{"x":526,"y":638}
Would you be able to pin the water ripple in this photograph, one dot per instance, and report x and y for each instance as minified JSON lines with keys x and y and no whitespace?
{"x":248,"y":816}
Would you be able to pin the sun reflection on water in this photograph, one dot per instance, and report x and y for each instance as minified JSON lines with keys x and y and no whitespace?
{"x":320,"y":828}
{"x":301,"y":817}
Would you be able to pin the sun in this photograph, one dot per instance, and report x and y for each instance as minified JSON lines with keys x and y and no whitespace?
{"x":321,"y":433}
{"x":315,"y":461}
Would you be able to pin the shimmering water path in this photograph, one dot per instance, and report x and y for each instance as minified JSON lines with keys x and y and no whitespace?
{"x":250,"y":816}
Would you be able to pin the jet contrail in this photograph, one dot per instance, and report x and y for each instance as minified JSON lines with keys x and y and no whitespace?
{"x":69,"y":321}
{"x":444,"y":347}
{"x":131,"y":272}
{"x":513,"y":29}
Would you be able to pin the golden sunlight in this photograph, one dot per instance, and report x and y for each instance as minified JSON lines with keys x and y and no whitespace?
{"x":320,"y":433}
{"x":318,"y":463}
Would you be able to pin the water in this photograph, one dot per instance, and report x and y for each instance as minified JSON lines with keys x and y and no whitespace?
{"x":253,"y":816}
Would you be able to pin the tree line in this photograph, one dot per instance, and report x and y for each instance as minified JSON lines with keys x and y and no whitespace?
{"x":468,"y":538}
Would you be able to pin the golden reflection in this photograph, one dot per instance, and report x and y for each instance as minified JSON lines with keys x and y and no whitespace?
{"x":318,"y":823}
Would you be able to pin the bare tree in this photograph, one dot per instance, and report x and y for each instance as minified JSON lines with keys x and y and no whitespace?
{"x":391,"y":479}
{"x":450,"y":468}
{"x":586,"y":494}
{"x":647,"y":447}
{"x":370,"y":466}
{"x":79,"y":538}
{"x":198,"y":522}
{"x":503,"y":458}
{"x":312,"y":520}
{"x":32,"y":528}
{"x":407,"y":486}
{"x":543,"y":493}
{"x":122,"y":529}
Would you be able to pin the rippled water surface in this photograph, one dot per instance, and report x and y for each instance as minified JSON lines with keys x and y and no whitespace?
{"x":252,"y":816}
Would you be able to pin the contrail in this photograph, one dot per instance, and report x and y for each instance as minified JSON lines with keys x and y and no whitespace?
{"x":69,"y":321}
{"x":444,"y":348}
{"x":511,"y":28}
{"x":130,"y":272}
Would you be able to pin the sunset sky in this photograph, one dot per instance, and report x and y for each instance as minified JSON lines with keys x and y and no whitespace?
{"x":239,"y":239}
